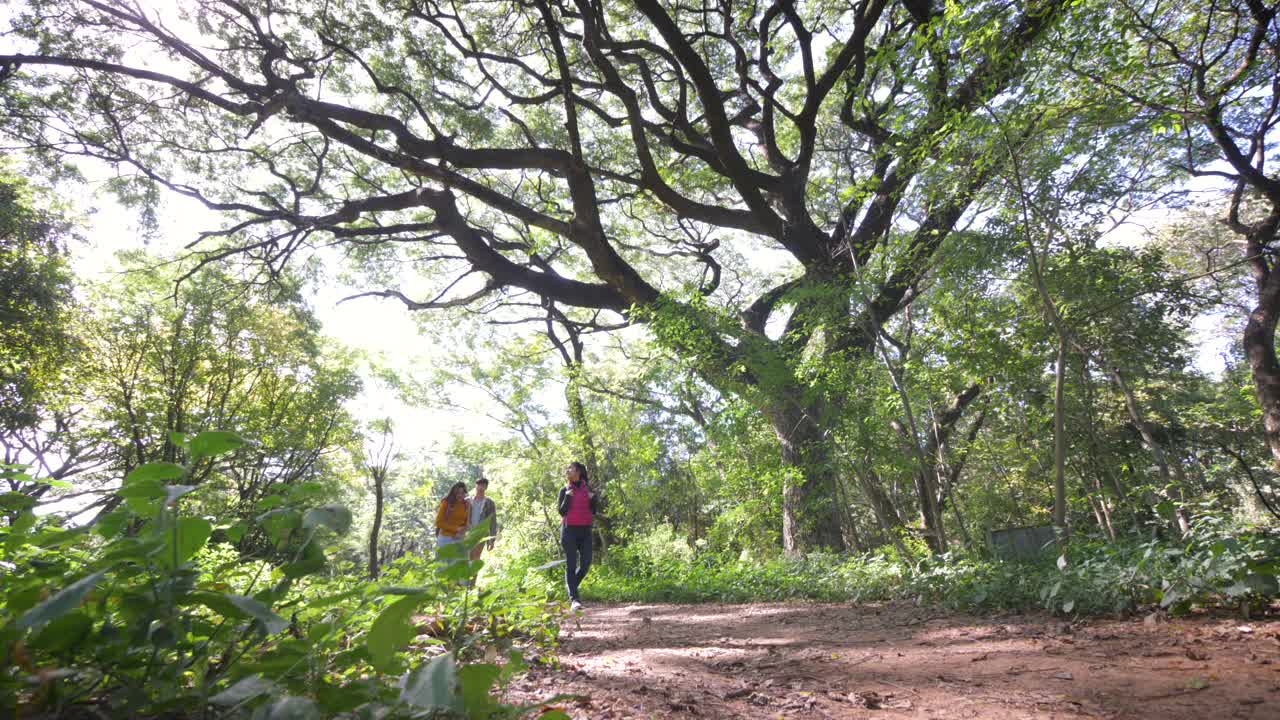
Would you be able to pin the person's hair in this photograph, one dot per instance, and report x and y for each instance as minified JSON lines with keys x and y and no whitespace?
{"x":483,"y":481}
{"x":582,"y":471}
{"x":448,"y":498}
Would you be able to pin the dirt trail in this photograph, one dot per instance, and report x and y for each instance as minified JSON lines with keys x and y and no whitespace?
{"x":797,"y":660}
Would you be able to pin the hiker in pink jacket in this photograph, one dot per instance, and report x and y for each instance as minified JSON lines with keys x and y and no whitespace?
{"x":578,"y":505}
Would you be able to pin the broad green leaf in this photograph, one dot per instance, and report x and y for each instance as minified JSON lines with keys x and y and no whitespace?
{"x":237,"y":531}
{"x":61,"y":602}
{"x":16,"y":501}
{"x":147,"y":489}
{"x":155,"y":471}
{"x":192,"y":534}
{"x":50,"y":540}
{"x":18,"y":531}
{"x":255,"y":609}
{"x":431,"y":686}
{"x":460,"y":570}
{"x":289,"y":707}
{"x":311,"y":560}
{"x":392,"y":630}
{"x":477,"y":534}
{"x":246,"y":689}
{"x":63,"y":633}
{"x":452,"y":551}
{"x":475,"y":681}
{"x":211,"y":443}
{"x":111,"y":524}
{"x":218,"y":603}
{"x":333,"y":516}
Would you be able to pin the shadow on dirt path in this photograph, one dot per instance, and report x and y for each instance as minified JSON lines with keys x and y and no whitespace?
{"x":800,"y":660}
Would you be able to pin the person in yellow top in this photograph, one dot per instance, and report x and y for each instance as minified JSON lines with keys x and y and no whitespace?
{"x":453,"y":515}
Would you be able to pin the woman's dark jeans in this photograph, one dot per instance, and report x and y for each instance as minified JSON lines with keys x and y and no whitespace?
{"x":576,"y":540}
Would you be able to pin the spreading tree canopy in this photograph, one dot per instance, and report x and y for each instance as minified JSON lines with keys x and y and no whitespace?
{"x":621,"y":161}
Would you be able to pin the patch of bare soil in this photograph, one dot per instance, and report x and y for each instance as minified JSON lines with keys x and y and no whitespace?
{"x":797,"y":660}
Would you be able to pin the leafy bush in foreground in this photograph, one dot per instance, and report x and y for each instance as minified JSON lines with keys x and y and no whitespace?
{"x":141,"y":617}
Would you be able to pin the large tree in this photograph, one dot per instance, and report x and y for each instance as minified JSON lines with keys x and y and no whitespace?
{"x":1210,"y":72}
{"x":613,"y":159}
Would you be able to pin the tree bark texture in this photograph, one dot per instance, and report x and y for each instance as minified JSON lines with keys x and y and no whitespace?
{"x":379,"y":487}
{"x":810,"y":516}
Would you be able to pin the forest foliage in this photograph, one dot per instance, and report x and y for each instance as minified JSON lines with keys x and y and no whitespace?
{"x":826,"y":297}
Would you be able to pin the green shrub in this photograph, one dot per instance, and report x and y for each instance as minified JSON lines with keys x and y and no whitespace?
{"x":1218,"y":564}
{"x":140,"y":616}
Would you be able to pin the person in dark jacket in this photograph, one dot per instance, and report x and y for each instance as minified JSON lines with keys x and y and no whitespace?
{"x":578,"y":505}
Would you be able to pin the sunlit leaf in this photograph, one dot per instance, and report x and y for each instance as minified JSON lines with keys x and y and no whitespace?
{"x":391,"y":630}
{"x":431,"y":686}
{"x":255,"y":609}
{"x":60,"y":603}
{"x":211,"y":443}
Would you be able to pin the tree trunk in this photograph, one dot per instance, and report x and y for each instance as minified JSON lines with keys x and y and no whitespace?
{"x":1060,"y":443}
{"x":810,"y":516}
{"x":379,"y":477}
{"x":1260,"y":345}
{"x":584,"y":443}
{"x":1170,"y":468}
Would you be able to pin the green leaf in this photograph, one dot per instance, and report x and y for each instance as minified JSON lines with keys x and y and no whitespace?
{"x":290,"y":707}
{"x":111,"y":524}
{"x":475,"y":681}
{"x":452,"y":551}
{"x":18,"y":531}
{"x":51,"y":540}
{"x":216,"y":602}
{"x":192,"y":534}
{"x":431,"y":686}
{"x":63,"y":633}
{"x":460,"y":570}
{"x":271,"y":621}
{"x":333,"y":516}
{"x":155,"y":471}
{"x":310,"y":561}
{"x":16,"y":501}
{"x":477,"y":534}
{"x":1265,"y":585}
{"x":246,"y":689}
{"x":148,"y":489}
{"x":211,"y":443}
{"x":392,"y":630}
{"x":61,"y":602}
{"x":237,"y":531}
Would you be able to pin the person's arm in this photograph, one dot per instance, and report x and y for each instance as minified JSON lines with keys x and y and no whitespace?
{"x":562,"y":502}
{"x":493,"y":519}
{"x":440,"y":515}
{"x":466,"y":519}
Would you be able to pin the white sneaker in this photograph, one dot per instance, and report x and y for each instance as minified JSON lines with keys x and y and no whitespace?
{"x":575,"y":605}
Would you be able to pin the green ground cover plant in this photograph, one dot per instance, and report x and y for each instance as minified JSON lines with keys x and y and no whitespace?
{"x":141,"y":615}
{"x":1219,"y":565}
